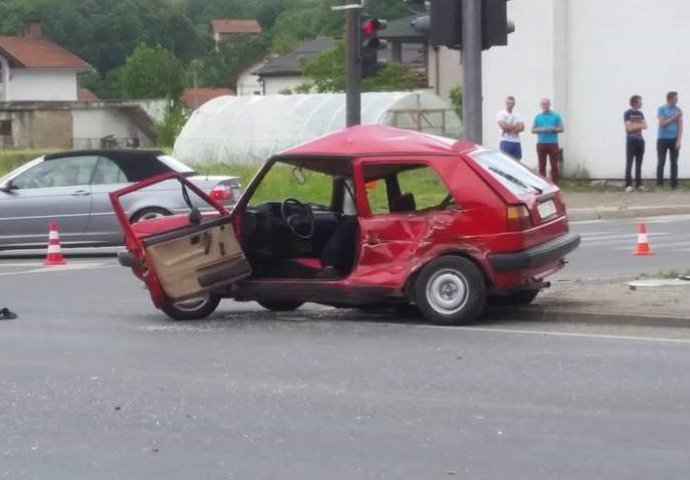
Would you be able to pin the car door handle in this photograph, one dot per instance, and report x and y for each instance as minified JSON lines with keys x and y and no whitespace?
{"x":81,"y":193}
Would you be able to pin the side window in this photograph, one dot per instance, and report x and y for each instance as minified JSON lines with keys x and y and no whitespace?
{"x":405,"y":188}
{"x":60,"y":172}
{"x":107,"y":172}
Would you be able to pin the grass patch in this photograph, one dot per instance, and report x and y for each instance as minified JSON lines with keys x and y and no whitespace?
{"x":11,"y":159}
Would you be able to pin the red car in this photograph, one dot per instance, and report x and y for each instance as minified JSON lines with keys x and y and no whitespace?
{"x":365,"y":216}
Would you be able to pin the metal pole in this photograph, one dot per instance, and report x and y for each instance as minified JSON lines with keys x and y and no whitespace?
{"x":472,"y":69}
{"x":353,"y":66}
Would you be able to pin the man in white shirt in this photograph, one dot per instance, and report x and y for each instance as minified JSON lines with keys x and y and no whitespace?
{"x":511,"y":124}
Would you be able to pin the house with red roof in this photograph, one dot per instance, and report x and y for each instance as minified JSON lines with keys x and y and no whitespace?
{"x":34,"y":68}
{"x":193,"y":98}
{"x":223,"y":28}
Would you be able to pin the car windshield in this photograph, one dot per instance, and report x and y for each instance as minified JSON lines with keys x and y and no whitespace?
{"x":513,"y":175}
{"x":176,"y":165}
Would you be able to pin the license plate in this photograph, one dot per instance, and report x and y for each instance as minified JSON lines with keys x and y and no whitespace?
{"x":547,"y":209}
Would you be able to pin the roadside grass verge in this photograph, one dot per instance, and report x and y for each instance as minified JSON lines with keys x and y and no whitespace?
{"x":11,"y":159}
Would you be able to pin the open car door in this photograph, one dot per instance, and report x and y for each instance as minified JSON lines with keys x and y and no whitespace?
{"x":187,"y":255}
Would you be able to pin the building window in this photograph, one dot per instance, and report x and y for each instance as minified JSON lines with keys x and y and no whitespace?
{"x":5,"y":128}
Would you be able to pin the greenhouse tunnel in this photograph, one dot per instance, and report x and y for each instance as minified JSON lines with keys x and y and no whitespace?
{"x":249,"y":129}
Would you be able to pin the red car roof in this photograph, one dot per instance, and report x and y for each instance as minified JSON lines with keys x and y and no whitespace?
{"x":377,"y":140}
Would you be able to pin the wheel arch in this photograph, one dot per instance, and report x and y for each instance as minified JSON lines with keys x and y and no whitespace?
{"x":408,"y":289}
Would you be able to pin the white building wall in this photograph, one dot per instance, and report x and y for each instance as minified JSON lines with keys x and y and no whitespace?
{"x":590,"y":56}
{"x":43,"y":85}
{"x":92,"y":124}
{"x":445,"y":71}
{"x":248,"y":83}
{"x":274,"y":85}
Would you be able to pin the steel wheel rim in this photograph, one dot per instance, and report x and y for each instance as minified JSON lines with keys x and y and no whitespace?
{"x":447,"y":291}
{"x":192,"y":304}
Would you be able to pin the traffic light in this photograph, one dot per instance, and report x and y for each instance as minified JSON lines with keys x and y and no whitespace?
{"x":371,"y":44}
{"x":495,"y":23}
{"x":443,"y":25}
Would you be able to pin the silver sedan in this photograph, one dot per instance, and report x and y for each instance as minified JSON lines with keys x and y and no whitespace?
{"x":72,"y":188}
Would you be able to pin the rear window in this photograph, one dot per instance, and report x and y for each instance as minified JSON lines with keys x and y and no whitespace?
{"x":510,"y":173}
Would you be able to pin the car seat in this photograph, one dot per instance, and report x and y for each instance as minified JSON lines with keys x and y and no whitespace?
{"x":403,"y":203}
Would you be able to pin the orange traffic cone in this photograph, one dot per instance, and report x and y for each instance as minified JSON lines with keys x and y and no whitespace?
{"x":54,"y":256}
{"x":642,"y":247}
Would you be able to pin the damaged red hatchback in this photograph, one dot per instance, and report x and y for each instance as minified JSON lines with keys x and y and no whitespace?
{"x":366,"y":216}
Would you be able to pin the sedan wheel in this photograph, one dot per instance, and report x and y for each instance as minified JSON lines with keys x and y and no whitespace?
{"x":192,"y":309}
{"x":450,"y":290}
{"x":149,"y":213}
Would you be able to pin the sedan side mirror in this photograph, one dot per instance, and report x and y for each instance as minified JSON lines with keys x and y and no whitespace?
{"x":8,"y":187}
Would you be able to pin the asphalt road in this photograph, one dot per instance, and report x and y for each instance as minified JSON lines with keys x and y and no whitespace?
{"x":96,"y":384}
{"x":607,"y":246}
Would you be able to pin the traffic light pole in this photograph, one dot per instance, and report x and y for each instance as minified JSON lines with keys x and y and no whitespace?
{"x":472,"y":69}
{"x":353,"y":65}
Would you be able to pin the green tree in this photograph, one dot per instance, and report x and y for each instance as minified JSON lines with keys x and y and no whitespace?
{"x":326,"y":73}
{"x":169,"y":129}
{"x":152,"y":72}
{"x":220,"y":68}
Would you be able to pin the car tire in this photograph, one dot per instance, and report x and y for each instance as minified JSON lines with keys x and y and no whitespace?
{"x":450,"y":290}
{"x":148,"y":213}
{"x":523,"y":297}
{"x":281,"y":306}
{"x":196,"y":309}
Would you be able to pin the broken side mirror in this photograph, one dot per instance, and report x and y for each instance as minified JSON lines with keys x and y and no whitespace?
{"x":195,"y":216}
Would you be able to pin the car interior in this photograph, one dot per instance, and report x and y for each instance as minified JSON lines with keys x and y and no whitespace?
{"x":307,"y":236}
{"x":311,"y":232}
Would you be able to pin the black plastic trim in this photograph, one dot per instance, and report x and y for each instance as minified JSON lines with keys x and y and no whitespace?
{"x":536,"y":256}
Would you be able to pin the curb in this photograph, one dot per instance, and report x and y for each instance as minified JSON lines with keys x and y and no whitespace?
{"x":612,"y":213}
{"x":538,"y":315}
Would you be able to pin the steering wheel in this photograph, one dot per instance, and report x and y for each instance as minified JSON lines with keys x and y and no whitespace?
{"x":298,"y":217}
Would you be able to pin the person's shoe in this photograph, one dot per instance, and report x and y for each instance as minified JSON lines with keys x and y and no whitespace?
{"x":641,"y":188}
{"x":328,"y":273}
{"x":628,"y":189}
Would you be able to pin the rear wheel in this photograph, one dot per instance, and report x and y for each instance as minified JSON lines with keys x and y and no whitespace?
{"x":148,"y":214}
{"x":281,"y":306}
{"x":450,"y":291}
{"x":192,"y":309}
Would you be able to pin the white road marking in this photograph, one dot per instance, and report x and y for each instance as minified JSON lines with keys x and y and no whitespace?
{"x":546,"y":333}
{"x":19,"y":265}
{"x":62,"y":268}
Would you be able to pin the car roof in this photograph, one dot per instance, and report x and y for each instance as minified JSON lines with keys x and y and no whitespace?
{"x":114,"y":154}
{"x":377,"y":140}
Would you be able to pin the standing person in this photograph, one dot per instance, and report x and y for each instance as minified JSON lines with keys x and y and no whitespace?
{"x":511,"y":124}
{"x":634,"y":145}
{"x":670,"y":133}
{"x":547,"y":125}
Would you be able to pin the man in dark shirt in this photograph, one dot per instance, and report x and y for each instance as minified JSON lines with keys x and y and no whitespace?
{"x":634,"y":145}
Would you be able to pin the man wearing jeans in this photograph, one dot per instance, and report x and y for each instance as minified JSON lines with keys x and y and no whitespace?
{"x":510,"y":123}
{"x":670,"y":133}
{"x":634,"y":145}
{"x":547,"y":125}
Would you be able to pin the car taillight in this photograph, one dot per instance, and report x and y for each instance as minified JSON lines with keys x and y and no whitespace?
{"x":221,"y":193}
{"x":518,"y":218}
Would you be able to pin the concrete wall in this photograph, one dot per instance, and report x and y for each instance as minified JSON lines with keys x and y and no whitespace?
{"x":40,"y":128}
{"x":43,"y":85}
{"x":590,"y":57}
{"x":92,"y":124}
{"x":445,"y":71}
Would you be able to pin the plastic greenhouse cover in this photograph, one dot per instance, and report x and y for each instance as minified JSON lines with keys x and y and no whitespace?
{"x":249,"y":129}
